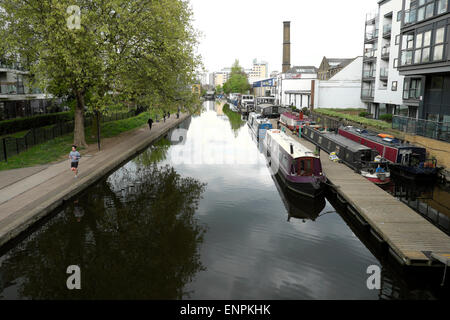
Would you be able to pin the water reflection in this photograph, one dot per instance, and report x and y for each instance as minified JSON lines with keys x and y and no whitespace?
{"x":430,"y":200}
{"x":235,"y":119}
{"x":141,"y":233}
{"x":134,"y":235}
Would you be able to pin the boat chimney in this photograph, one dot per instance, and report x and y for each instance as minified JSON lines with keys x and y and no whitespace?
{"x":286,"y":46}
{"x":292,"y":148}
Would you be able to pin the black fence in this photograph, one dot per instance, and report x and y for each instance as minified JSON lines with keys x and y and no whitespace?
{"x":10,"y":146}
{"x":426,"y":128}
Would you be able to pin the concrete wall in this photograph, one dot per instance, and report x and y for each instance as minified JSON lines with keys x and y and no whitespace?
{"x":342,"y":90}
{"x":436,"y":148}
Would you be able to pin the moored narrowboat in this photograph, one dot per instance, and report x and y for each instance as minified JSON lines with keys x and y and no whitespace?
{"x":259,"y":125}
{"x":406,"y":160}
{"x":298,"y":167}
{"x":351,"y":153}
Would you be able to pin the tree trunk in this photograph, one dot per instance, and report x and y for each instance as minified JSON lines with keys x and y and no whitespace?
{"x":78,"y":134}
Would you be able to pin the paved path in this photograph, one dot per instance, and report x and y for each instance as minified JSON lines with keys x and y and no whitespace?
{"x":408,"y":234}
{"x":29,"y":194}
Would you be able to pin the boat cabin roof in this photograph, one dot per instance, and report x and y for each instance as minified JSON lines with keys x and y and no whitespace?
{"x":284,"y":141}
{"x":374,"y":137}
{"x":291,"y":116}
{"x":343,"y":141}
{"x":266,"y":105}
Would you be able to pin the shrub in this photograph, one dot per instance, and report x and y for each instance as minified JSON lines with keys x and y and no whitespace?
{"x":21,"y":124}
{"x":360,"y":120}
{"x":363,"y":114}
{"x":386,"y":117}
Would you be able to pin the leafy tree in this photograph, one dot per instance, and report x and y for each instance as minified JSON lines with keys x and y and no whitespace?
{"x":238,"y":81}
{"x":139,"y":51}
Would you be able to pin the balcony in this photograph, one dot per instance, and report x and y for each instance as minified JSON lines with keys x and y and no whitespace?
{"x":367,"y":94}
{"x":410,"y":16}
{"x":369,"y":75}
{"x":371,"y":18}
{"x":385,"y":52}
{"x":384,"y":73}
{"x":13,"y":66}
{"x":370,"y":54}
{"x":8,"y":88}
{"x":387,"y":31}
{"x":371,"y":36}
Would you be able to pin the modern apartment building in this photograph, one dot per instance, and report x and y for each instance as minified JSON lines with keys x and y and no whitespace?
{"x":17,"y":97}
{"x":381,"y":88}
{"x":220,"y":77}
{"x":425,"y":59}
{"x":259,"y":71}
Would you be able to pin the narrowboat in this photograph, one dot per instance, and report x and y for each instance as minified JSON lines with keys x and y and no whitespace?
{"x":351,"y":153}
{"x":259,"y":125}
{"x":405,"y":160}
{"x":290,"y":120}
{"x":265,"y":100}
{"x":270,"y":110}
{"x":297,"y":166}
{"x":297,"y":206}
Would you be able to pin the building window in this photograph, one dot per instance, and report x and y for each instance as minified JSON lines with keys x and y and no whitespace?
{"x":442,"y":6}
{"x":394,"y":85}
{"x":423,"y":47}
{"x":425,"y":9}
{"x":412,"y":88}
{"x":407,"y":49}
{"x":438,"y":49}
{"x":397,"y":39}
{"x":399,"y":16}
{"x":396,"y":63}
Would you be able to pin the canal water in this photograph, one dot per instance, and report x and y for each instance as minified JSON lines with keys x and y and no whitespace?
{"x":197,"y":215}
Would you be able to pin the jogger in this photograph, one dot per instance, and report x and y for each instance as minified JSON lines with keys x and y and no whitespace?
{"x":74,"y":157}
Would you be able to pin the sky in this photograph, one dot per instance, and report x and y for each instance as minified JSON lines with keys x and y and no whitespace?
{"x":249,"y":29}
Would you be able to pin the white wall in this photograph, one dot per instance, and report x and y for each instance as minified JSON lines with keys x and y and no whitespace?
{"x":343,"y":90}
{"x":303,"y":84}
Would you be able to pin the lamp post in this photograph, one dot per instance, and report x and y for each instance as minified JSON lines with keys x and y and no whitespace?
{"x":97,"y":116}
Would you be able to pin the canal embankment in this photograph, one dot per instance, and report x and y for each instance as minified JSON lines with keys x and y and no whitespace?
{"x":409,"y":237}
{"x":26,"y":200}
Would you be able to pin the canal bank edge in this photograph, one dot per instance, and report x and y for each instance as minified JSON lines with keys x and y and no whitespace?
{"x":20,"y":221}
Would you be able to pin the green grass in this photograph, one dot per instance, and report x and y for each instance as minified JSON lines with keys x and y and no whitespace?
{"x":355,"y":118}
{"x":53,"y":150}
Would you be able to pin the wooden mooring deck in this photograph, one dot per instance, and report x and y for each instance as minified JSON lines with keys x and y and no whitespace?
{"x":412,"y":240}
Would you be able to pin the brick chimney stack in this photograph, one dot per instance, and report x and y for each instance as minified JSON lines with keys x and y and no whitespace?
{"x":286,"y":46}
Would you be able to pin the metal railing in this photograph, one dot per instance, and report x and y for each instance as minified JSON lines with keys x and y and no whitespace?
{"x":372,"y":35}
{"x":385,"y":51}
{"x":372,"y":17}
{"x":426,"y":128}
{"x":410,"y":16}
{"x":10,"y":146}
{"x":367,"y":93}
{"x":369,"y":73}
{"x":384,"y":72}
{"x":370,"y":53}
